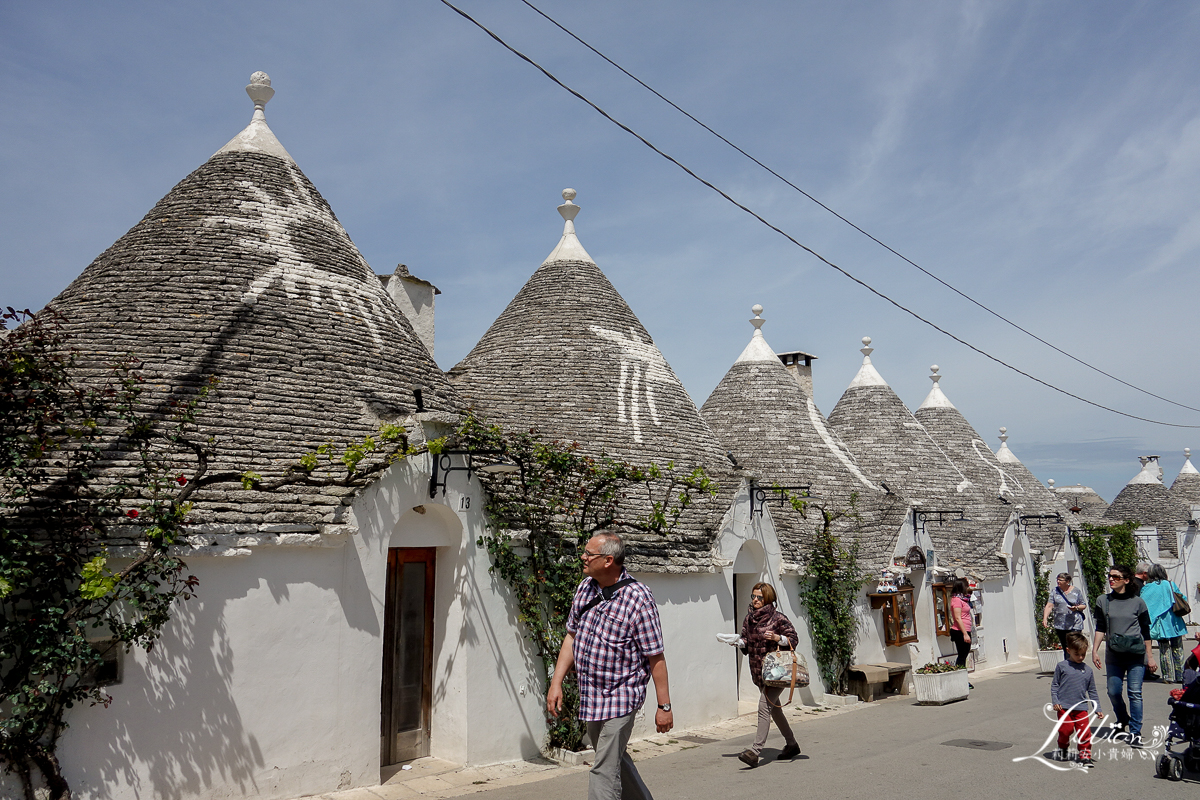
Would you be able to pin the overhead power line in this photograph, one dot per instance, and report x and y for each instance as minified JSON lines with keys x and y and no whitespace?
{"x":882,"y":244}
{"x":789,"y":237}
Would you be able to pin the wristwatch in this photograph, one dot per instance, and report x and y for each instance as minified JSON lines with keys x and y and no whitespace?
{"x":665,"y":706}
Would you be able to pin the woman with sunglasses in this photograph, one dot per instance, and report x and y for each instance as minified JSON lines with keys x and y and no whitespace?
{"x":765,"y":630}
{"x":1123,"y":619}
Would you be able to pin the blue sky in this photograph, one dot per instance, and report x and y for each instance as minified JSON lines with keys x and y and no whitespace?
{"x":1044,"y":158}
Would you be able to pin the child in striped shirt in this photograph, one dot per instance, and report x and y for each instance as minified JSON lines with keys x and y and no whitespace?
{"x":1073,"y":686}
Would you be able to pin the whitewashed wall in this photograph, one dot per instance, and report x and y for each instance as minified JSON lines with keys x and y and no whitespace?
{"x":268,"y":683}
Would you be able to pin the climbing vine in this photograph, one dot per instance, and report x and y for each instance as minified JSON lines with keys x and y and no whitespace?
{"x":1123,"y":544}
{"x":1093,"y":560}
{"x":1047,"y":638}
{"x":829,"y":588}
{"x":542,"y":514}
{"x":95,"y":488}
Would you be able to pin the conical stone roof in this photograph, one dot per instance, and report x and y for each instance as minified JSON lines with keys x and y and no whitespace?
{"x":242,"y":271}
{"x":1001,"y":490}
{"x":1186,"y":488}
{"x":1044,"y":534}
{"x":777,"y":433}
{"x":569,"y":358}
{"x":889,"y":441}
{"x":1090,"y":504}
{"x":1146,"y":501}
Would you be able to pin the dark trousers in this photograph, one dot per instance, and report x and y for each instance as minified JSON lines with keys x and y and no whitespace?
{"x":964,"y":647}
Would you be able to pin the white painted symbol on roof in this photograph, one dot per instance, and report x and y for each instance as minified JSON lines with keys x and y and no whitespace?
{"x":267,"y":226}
{"x":1004,"y":487}
{"x":642,"y":368}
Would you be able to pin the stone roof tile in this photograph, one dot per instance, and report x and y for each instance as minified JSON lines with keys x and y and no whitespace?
{"x":242,"y":271}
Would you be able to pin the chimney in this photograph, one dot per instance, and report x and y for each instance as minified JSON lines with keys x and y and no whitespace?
{"x":800,"y":365}
{"x":415,"y":299}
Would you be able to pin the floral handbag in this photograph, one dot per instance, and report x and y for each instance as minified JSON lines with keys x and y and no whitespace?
{"x":785,"y":668}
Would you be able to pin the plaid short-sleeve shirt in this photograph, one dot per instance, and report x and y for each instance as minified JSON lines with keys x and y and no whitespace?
{"x":612,"y":643}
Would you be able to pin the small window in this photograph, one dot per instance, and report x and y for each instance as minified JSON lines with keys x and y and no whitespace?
{"x":941,"y":608}
{"x":108,"y":671}
{"x":899,"y":615}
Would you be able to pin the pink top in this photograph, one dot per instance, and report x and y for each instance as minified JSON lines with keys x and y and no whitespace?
{"x":960,"y":613}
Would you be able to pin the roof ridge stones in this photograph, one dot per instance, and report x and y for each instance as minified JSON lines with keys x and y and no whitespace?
{"x":569,"y":358}
{"x":242,"y":271}
{"x":776,"y":432}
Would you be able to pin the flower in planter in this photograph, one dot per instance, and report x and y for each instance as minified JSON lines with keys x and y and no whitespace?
{"x":935,"y":667}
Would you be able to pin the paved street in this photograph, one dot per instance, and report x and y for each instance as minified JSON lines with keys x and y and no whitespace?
{"x":869,"y":751}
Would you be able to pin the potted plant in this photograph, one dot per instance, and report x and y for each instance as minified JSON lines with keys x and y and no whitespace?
{"x":937,"y":684}
{"x":1049,"y":656}
{"x":1049,"y":648}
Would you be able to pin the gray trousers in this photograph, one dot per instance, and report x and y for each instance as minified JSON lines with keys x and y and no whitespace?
{"x":613,"y":776}
{"x":768,"y":711}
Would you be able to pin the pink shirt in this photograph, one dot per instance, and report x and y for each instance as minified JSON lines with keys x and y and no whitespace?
{"x":960,"y":614}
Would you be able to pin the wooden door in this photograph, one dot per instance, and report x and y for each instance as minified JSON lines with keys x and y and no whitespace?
{"x":407,"y":655}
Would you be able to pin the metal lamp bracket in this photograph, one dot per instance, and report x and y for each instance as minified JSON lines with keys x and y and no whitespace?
{"x":758,"y":496}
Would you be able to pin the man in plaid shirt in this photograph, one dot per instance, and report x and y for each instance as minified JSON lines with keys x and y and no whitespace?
{"x":614,"y":641}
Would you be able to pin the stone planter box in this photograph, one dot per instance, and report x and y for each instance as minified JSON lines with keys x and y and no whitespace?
{"x":572,"y":758}
{"x":940,"y":688}
{"x":1048,"y":660}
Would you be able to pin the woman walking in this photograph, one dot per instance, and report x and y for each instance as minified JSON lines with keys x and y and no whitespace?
{"x":1066,"y":602}
{"x":765,"y":630}
{"x":1122,"y":619}
{"x":1166,"y":627}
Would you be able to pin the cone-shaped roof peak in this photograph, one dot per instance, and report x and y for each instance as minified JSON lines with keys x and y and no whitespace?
{"x":568,"y":248}
{"x":1004,"y":455}
{"x":1151,"y":472}
{"x":1187,"y":463}
{"x":936,"y":398}
{"x":757,"y":349}
{"x":243,"y":271}
{"x":257,"y":137}
{"x":867,"y":374}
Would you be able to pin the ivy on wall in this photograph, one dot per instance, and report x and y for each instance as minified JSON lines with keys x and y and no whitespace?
{"x":1047,"y":638}
{"x":829,"y":588}
{"x":542,"y":514}
{"x":1092,"y":545}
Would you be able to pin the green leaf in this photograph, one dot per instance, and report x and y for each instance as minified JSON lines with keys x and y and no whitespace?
{"x":97,"y":581}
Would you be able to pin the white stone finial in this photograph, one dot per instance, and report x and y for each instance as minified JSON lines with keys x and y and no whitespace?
{"x":569,"y":209}
{"x":260,"y":92}
{"x":257,"y":137}
{"x":866,"y":349}
{"x":1187,"y":452}
{"x":1051,"y":482}
{"x":1004,"y":434}
{"x":569,"y":248}
{"x":936,"y":398}
{"x":758,"y":321}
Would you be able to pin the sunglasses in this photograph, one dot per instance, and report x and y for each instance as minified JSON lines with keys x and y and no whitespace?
{"x":1117,"y":577}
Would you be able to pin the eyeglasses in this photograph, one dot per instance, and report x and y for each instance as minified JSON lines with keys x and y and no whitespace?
{"x":754,"y":597}
{"x":589,"y":556}
{"x":1116,"y":577}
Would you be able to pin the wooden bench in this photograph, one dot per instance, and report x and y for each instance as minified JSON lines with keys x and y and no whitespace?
{"x":868,"y":679}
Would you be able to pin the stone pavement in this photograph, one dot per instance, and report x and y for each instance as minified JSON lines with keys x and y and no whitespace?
{"x":993,"y":743}
{"x":435,"y":778}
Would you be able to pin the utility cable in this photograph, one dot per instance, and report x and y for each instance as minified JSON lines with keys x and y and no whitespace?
{"x":789,"y":237}
{"x":882,"y":244}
